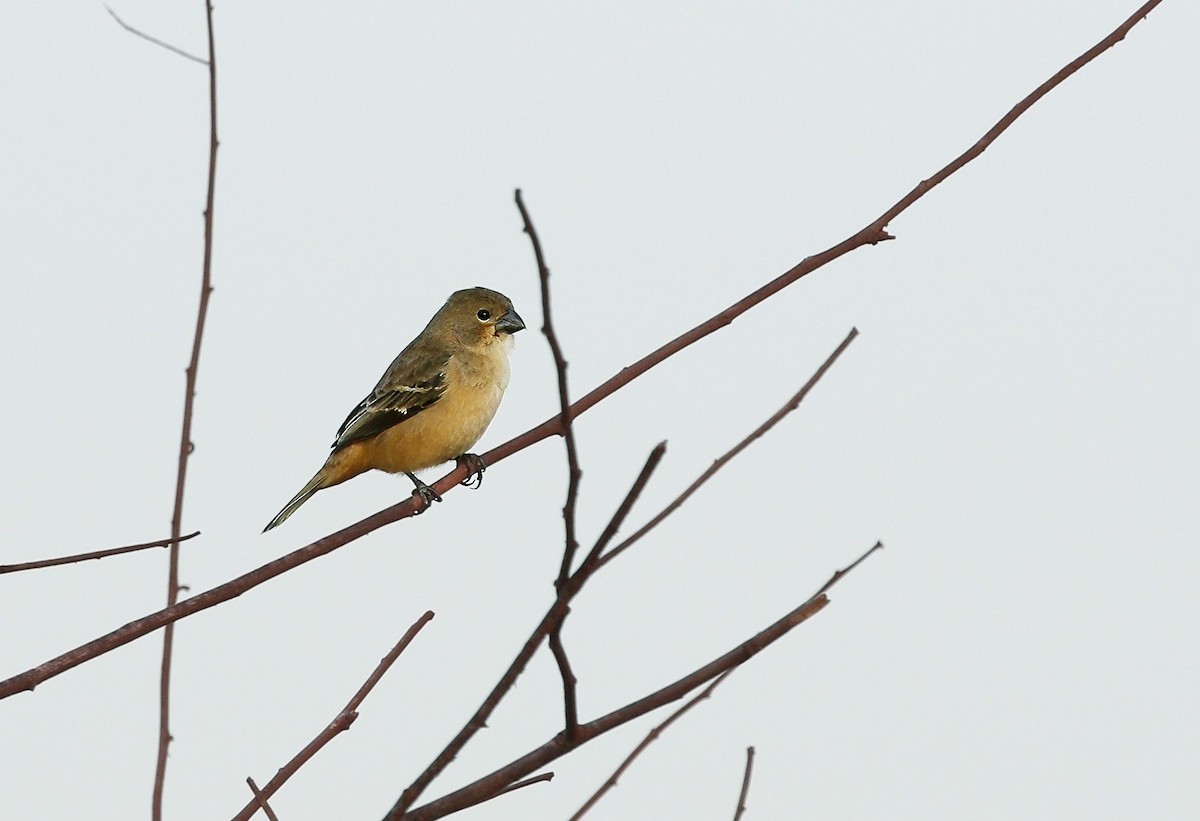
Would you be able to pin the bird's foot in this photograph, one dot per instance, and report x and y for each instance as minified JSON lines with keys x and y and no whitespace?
{"x":426,"y":493}
{"x":475,"y":468}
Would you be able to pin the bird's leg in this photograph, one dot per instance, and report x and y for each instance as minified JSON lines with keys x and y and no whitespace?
{"x":475,"y":468}
{"x":428,"y":494}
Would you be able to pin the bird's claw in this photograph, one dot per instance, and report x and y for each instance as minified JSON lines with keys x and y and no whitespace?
{"x":475,"y":468}
{"x":427,"y":495}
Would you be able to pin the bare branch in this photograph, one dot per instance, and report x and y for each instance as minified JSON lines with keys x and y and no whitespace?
{"x":570,"y":541}
{"x":741,"y":806}
{"x":341,"y":721}
{"x":871,"y":234}
{"x":618,"y":518}
{"x":566,"y":417}
{"x":790,"y":406}
{"x":186,"y":446}
{"x":548,"y":627}
{"x":261,"y":800}
{"x":536,"y":779}
{"x":95,"y":554}
{"x":154,"y":40}
{"x":650,"y":738}
{"x":560,"y":745}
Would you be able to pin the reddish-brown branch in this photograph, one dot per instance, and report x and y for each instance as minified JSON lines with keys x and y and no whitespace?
{"x":725,"y":458}
{"x":95,"y":554}
{"x":261,"y":800}
{"x":566,"y":416}
{"x":341,"y":722}
{"x":535,"y":779}
{"x":570,"y":541}
{"x":552,"y":621}
{"x":560,"y":745}
{"x":185,"y":436}
{"x":618,"y":518}
{"x":650,"y":738}
{"x":873,"y":233}
{"x":741,"y":805}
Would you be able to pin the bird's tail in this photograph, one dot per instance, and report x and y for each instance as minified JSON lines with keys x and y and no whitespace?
{"x":314,"y":484}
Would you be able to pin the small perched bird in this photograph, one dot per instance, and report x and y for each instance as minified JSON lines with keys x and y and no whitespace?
{"x":434,"y":401}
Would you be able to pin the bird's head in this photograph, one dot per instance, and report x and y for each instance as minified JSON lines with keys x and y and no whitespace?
{"x":481,"y":315}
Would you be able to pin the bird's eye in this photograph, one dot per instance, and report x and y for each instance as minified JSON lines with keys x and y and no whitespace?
{"x":484,"y":314}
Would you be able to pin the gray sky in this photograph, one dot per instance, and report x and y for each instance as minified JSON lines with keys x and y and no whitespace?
{"x":1017,"y":421}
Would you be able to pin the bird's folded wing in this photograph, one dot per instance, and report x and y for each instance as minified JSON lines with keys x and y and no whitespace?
{"x":388,"y":405}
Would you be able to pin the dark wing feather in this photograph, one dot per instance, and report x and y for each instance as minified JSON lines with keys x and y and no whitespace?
{"x":389,"y":405}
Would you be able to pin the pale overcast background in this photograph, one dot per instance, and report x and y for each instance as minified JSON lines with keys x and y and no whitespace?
{"x":1017,"y":422}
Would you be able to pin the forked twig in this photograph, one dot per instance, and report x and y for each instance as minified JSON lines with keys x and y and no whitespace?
{"x":871,"y":234}
{"x":650,"y":738}
{"x":341,"y":721}
{"x":725,"y":458}
{"x":482,"y":788}
{"x":154,"y":40}
{"x":553,"y":619}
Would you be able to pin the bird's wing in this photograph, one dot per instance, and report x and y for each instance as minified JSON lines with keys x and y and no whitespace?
{"x":413,"y":383}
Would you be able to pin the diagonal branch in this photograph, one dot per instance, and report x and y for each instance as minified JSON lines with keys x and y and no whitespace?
{"x":185,"y":437}
{"x":560,"y":745}
{"x":650,"y":738}
{"x":154,"y":40}
{"x":871,"y":234}
{"x":548,"y":627}
{"x":261,"y":800}
{"x":95,"y":554}
{"x":618,"y":518}
{"x":791,"y":405}
{"x":341,"y":721}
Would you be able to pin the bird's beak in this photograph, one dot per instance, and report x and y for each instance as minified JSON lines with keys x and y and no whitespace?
{"x":510,"y":323}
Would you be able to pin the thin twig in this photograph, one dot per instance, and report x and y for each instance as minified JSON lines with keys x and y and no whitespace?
{"x":536,"y":779}
{"x":790,"y":406}
{"x":650,"y":738}
{"x":261,"y":800}
{"x":154,"y":40}
{"x":547,"y":628}
{"x":133,"y":630}
{"x":741,"y":806}
{"x":558,"y":746}
{"x":95,"y":554}
{"x":570,"y":541}
{"x":618,"y":518}
{"x":870,"y":235}
{"x":185,"y":437}
{"x":341,"y":721}
{"x":566,"y":417}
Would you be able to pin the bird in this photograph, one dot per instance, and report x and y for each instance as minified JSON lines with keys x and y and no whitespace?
{"x":432,"y":404}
